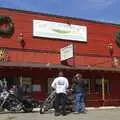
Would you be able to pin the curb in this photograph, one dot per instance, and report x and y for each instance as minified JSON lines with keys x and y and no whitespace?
{"x":102,"y":108}
{"x":89,"y":108}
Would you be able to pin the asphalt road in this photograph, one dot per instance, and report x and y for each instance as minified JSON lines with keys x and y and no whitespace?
{"x":96,"y":114}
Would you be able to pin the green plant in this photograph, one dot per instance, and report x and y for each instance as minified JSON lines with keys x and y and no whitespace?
{"x":7,"y":20}
{"x":118,"y":38}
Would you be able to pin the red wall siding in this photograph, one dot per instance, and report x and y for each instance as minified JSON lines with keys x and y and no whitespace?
{"x":98,"y":36}
{"x":19,"y":56}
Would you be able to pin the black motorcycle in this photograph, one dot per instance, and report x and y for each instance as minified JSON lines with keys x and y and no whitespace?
{"x":9,"y":101}
{"x":49,"y":102}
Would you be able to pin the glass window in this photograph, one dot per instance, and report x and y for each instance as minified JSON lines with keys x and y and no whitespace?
{"x":50,"y":80}
{"x":98,"y":86}
{"x":36,"y":88}
{"x":87,"y":85}
{"x":107,"y":86}
{"x":27,"y":84}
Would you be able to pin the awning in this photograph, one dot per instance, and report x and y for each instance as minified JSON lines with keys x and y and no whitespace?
{"x":56,"y":66}
{"x":33,"y":65}
{"x":112,"y":69}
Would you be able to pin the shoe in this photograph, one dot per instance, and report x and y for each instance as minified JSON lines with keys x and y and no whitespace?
{"x":63,"y":114}
{"x":83,"y":112}
{"x":57,"y":114}
{"x":76,"y":112}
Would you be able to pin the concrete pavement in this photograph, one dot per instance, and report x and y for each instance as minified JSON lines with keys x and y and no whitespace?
{"x":108,"y":113}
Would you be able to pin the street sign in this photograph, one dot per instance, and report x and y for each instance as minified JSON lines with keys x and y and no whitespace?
{"x":66,"y":52}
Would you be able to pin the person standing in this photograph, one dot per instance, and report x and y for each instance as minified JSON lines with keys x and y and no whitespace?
{"x":78,"y":89}
{"x":1,"y":85}
{"x":5,"y":83}
{"x":19,"y":89}
{"x":60,"y":84}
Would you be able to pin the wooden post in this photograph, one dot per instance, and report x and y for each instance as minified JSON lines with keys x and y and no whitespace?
{"x":74,"y":64}
{"x":103,"y":90}
{"x":21,"y":80}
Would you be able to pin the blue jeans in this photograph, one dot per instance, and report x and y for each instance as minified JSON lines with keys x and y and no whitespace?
{"x":79,"y":102}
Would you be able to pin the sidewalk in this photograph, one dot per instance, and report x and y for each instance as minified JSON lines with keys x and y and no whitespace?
{"x":102,"y":113}
{"x":89,"y":108}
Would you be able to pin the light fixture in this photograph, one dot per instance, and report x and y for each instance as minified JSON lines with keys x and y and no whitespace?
{"x":116,"y":61}
{"x":21,"y":39}
{"x":110,"y":48}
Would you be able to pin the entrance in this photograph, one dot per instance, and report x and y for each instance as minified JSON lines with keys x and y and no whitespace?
{"x":97,"y":90}
{"x":50,"y":80}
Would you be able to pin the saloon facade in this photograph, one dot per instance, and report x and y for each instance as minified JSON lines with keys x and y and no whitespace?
{"x":34,"y":47}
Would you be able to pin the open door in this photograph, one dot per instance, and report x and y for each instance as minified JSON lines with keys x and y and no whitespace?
{"x":50,"y":80}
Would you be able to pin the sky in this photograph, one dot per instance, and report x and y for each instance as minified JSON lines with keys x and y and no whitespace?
{"x":98,"y":10}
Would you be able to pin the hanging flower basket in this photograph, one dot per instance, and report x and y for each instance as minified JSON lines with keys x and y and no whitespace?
{"x":10,"y":28}
{"x":118,"y":38}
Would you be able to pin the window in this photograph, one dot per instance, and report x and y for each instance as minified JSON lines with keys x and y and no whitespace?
{"x":98,"y":86}
{"x":50,"y":80}
{"x":87,"y":85}
{"x":27,"y":84}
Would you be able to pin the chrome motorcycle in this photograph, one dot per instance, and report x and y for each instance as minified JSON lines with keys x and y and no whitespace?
{"x":49,"y":102}
{"x":9,"y":101}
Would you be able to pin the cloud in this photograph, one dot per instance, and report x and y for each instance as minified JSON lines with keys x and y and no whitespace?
{"x":78,"y":4}
{"x":98,"y":4}
{"x":89,"y":9}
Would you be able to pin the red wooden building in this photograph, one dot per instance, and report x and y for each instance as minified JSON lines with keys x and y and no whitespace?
{"x":31,"y":51}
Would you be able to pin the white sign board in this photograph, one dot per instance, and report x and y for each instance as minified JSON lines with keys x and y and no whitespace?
{"x":42,"y":28}
{"x":66,"y":52}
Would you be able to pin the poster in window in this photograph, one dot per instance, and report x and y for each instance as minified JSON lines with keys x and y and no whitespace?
{"x":36,"y":88}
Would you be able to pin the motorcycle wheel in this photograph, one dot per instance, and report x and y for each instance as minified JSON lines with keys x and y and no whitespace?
{"x":42,"y":109}
{"x":1,"y":109}
{"x":28,"y":109}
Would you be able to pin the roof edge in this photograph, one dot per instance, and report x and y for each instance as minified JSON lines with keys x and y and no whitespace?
{"x":60,"y":16}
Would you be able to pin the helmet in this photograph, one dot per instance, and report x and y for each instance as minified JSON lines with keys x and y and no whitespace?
{"x":78,"y":75}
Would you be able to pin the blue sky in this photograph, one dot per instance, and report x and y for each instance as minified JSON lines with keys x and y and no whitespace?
{"x":98,"y":10}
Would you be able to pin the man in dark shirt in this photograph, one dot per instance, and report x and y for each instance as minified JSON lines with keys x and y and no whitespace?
{"x":78,"y":93}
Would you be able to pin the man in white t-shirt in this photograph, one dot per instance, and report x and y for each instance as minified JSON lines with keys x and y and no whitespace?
{"x":60,"y":84}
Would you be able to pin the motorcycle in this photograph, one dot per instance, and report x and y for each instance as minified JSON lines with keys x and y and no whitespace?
{"x":9,"y":101}
{"x":49,"y":102}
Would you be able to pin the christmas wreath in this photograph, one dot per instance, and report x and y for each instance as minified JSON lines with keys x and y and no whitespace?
{"x":7,"y":20}
{"x":118,"y":38}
